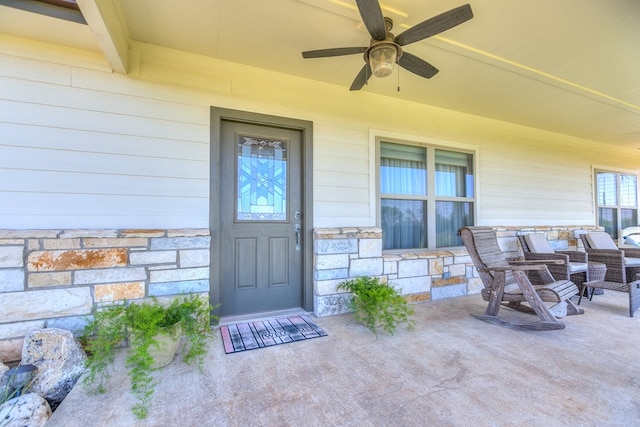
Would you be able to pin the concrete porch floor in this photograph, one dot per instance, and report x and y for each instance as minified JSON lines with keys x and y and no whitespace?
{"x":452,"y":370}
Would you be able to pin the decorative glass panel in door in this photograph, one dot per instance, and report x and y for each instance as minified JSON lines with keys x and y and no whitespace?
{"x":262,"y":180}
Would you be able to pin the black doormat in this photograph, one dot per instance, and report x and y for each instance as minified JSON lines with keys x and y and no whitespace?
{"x":266,"y":333}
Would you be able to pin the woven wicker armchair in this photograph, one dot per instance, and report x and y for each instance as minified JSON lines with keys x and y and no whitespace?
{"x":576,"y":267}
{"x":623,"y":266}
{"x":506,"y":284}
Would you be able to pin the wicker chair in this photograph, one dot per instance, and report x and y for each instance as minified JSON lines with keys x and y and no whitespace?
{"x":623,"y":266}
{"x":576,"y":266}
{"x":507,"y":284}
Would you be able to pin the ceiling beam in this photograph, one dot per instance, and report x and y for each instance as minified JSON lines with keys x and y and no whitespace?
{"x":106,"y":20}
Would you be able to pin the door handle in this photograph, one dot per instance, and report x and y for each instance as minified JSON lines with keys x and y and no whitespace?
{"x":297,"y":229}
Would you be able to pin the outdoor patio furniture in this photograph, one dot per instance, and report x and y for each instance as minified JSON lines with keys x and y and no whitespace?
{"x":623,"y":266}
{"x":506,"y":284}
{"x":576,"y":266}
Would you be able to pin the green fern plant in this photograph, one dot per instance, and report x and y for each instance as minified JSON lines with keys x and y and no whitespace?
{"x":140,"y":323}
{"x":377,"y":305}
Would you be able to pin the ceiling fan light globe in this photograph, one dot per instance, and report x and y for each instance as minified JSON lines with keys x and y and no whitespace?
{"x":382,"y":58}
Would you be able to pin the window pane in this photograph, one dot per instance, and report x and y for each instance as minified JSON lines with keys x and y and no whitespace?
{"x":403,"y":224}
{"x":629,"y":218}
{"x":608,"y":219}
{"x":454,"y":174}
{"x":261,"y":180}
{"x":607,"y":195}
{"x":402,"y":169}
{"x":450,"y":217}
{"x":628,"y":191}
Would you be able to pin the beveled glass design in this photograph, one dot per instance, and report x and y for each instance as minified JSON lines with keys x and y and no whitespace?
{"x":262,"y":179}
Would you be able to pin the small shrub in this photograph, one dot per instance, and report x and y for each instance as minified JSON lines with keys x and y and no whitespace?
{"x":377,"y":305}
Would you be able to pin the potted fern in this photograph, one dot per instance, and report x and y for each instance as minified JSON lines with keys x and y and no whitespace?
{"x":377,"y":305}
{"x":153,"y":331}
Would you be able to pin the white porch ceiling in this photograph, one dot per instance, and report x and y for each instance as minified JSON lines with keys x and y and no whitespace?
{"x":570,"y":66}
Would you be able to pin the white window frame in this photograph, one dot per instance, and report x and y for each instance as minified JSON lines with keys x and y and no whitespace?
{"x":431,"y":144}
{"x":617,"y":206}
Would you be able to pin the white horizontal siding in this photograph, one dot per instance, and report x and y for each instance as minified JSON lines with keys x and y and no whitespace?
{"x":82,"y":147}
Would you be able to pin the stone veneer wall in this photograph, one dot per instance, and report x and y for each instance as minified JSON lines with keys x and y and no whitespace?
{"x":55,"y":278}
{"x":344,"y":253}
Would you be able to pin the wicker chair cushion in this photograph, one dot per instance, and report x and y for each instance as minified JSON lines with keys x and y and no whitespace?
{"x":631,"y":262}
{"x":579,"y":267}
{"x":538,"y":243}
{"x":601,"y":240}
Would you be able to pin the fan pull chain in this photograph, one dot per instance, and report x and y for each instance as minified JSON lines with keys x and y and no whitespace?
{"x":398,"y":79}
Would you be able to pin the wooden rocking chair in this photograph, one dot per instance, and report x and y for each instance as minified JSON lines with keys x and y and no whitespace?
{"x":506,"y":284}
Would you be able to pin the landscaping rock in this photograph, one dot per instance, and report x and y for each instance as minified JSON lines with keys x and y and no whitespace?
{"x":60,"y":360}
{"x":27,"y":410}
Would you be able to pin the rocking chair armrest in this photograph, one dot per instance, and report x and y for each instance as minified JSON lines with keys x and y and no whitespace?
{"x":533,"y":262}
{"x":512,"y":267}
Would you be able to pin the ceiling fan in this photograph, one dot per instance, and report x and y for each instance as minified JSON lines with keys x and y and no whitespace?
{"x":385,"y":49}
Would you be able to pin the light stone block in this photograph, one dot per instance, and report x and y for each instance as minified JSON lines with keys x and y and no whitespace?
{"x":11,"y":280}
{"x":33,"y":245}
{"x":128,"y":242}
{"x":49,"y":244}
{"x":11,"y":256}
{"x":336,"y":246}
{"x":152,"y":257}
{"x":436,"y":266}
{"x":329,"y":262}
{"x":474,"y":286}
{"x":119,"y":291}
{"x":41,"y":280}
{"x":412,"y":285}
{"x":330,"y":304}
{"x":413,"y":268}
{"x":19,"y":329}
{"x":366,"y":267}
{"x":166,"y":243}
{"x":338,"y":273}
{"x":42,"y":304}
{"x":458,"y":269}
{"x":27,"y":234}
{"x":195,"y":258}
{"x":183,"y":287}
{"x":179,"y":275}
{"x":390,"y":267}
{"x":188,"y":232}
{"x":327,"y":287}
{"x":463,"y":259}
{"x":86,"y":277}
{"x":89,"y":233}
{"x":370,"y":248}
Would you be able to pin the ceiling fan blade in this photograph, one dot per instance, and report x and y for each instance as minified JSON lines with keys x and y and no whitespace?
{"x":372,"y":17}
{"x":361,"y":78}
{"x":338,"y":51}
{"x":435,"y":25}
{"x":417,"y":66}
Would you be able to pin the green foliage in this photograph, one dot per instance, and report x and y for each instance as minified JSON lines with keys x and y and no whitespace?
{"x":141,"y":323}
{"x":377,"y":305}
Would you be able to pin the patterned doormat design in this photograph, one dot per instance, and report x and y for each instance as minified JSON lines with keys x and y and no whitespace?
{"x":266,"y":333}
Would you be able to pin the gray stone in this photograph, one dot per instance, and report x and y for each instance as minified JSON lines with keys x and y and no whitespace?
{"x":152,"y":257}
{"x":338,"y":273}
{"x":441,"y":292}
{"x":165,"y":243}
{"x":28,"y":410}
{"x":174,"y":288}
{"x":60,"y":361}
{"x":179,"y":275}
{"x":336,"y":246}
{"x":195,"y":258}
{"x":366,"y":267}
{"x":110,"y":275}
{"x":331,"y":304}
{"x":75,"y":324}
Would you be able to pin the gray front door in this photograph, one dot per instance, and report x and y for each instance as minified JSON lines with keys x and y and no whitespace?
{"x":261,"y":256}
